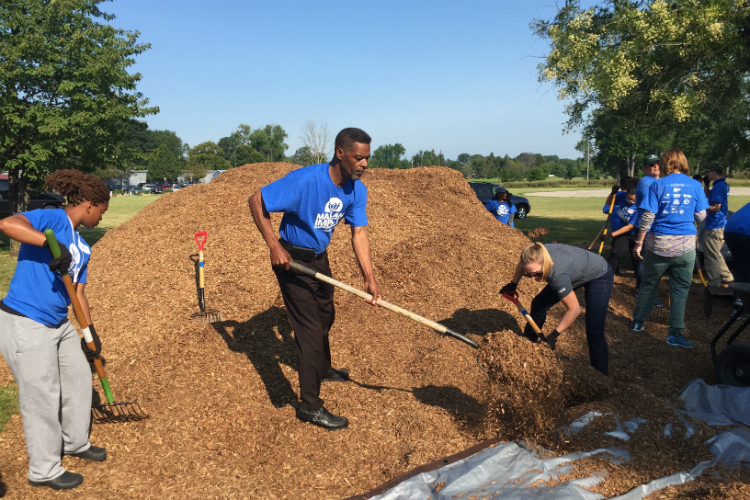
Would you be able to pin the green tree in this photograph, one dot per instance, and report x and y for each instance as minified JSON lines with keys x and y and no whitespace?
{"x":205,"y":156}
{"x":66,"y":96}
{"x":269,"y":142}
{"x":536,"y":174}
{"x":389,"y":156}
{"x":164,"y":164}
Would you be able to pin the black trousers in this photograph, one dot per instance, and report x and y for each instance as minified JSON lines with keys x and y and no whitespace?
{"x":597,"y":294}
{"x":739,"y":244}
{"x":309,"y":303}
{"x":621,"y":244}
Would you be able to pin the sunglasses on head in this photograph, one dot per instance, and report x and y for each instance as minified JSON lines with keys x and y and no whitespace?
{"x":533,"y":275}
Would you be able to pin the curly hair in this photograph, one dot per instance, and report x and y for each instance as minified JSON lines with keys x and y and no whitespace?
{"x":78,"y":187}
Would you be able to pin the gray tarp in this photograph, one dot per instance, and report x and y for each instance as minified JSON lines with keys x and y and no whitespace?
{"x":509,"y":469}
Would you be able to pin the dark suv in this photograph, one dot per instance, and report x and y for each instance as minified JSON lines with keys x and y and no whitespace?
{"x":38,"y":200}
{"x":486,"y":191}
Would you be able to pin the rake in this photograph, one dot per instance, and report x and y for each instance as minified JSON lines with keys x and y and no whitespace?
{"x":205,"y":315}
{"x":102,"y":413}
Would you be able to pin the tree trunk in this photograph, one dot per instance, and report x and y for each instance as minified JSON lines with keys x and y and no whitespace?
{"x":19,"y":197}
{"x":631,"y":162}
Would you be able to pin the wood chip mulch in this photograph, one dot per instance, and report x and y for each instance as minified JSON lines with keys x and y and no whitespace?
{"x":222,"y":397}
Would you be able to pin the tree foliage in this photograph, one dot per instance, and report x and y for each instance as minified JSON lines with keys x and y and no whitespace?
{"x":65,"y":91}
{"x":389,"y":156}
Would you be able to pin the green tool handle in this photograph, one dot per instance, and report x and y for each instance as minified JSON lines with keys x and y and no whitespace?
{"x":54,"y":248}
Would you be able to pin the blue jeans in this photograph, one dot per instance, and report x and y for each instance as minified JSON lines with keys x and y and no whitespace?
{"x":597,"y":294}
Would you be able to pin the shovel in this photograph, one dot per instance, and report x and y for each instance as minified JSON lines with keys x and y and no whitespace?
{"x":416,"y":317}
{"x":206,"y":315}
{"x":513,"y":297}
{"x":109,"y":412}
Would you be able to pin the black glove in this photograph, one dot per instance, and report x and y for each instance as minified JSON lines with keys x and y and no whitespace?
{"x":551,"y":339}
{"x":607,"y":237}
{"x":62,"y":263}
{"x":615,"y":189}
{"x":91,"y":355}
{"x":510,"y":287}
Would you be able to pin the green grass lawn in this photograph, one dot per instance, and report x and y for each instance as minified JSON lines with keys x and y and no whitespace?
{"x":120,"y":210}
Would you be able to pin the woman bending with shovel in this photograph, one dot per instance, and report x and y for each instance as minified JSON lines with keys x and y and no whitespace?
{"x":565,"y":269}
{"x":40,"y":345}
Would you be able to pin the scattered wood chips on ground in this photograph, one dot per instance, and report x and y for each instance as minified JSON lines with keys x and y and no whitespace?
{"x":222,"y":397}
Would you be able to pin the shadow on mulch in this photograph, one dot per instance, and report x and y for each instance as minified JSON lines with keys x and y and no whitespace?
{"x":266,"y":339}
{"x":481,"y":322}
{"x":3,"y":486}
{"x":461,"y":405}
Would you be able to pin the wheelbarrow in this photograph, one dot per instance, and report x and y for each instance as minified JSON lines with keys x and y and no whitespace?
{"x":732,"y":364}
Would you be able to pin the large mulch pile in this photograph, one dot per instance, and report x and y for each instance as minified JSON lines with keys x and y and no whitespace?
{"x":222,"y":397}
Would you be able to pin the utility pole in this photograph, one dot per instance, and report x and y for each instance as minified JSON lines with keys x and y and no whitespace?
{"x":588,"y":143}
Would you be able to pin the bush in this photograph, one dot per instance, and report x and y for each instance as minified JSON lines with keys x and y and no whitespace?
{"x":118,"y":191}
{"x":536,"y":174}
{"x":167,"y":191}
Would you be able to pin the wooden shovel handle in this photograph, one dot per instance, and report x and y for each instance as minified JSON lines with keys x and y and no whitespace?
{"x":416,"y":317}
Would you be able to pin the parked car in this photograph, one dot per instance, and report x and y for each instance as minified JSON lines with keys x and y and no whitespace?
{"x":486,"y":190}
{"x":38,"y":199}
{"x":156,"y":190}
{"x":134,"y":189}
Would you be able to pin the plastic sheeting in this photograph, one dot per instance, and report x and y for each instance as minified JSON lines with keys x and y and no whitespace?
{"x":717,"y":404}
{"x":506,"y":470}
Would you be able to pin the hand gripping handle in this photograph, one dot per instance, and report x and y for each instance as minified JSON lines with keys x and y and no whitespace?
{"x":201,"y":242}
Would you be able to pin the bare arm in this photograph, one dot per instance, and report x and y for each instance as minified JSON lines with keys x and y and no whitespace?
{"x":84,"y":302}
{"x":715,"y":207}
{"x":361,"y":246}
{"x":262,"y":219}
{"x":623,"y":230}
{"x":570,"y":302}
{"x":20,"y":229}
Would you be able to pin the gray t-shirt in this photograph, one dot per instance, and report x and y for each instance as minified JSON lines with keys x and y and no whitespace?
{"x":573,"y":267}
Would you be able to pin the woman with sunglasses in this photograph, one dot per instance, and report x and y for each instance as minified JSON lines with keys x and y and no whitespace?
{"x":567,"y":268}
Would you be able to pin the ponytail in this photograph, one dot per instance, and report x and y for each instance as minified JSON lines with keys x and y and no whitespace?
{"x":537,"y":253}
{"x":78,"y":187}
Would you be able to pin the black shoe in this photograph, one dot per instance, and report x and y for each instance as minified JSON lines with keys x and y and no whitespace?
{"x":323,"y":418}
{"x":336,"y":375}
{"x":94,"y":453}
{"x":65,"y":481}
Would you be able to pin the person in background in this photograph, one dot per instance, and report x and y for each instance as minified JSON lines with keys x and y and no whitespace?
{"x":566,"y":268}
{"x":40,"y":345}
{"x":737,"y":237}
{"x":622,"y":222}
{"x":502,"y":207}
{"x":650,"y":175}
{"x":717,"y":272}
{"x":669,"y":210}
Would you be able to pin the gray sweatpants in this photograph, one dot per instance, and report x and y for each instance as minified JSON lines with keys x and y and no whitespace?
{"x":54,"y":390}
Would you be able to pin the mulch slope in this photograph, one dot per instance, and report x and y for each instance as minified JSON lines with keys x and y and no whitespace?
{"x":222,"y":397}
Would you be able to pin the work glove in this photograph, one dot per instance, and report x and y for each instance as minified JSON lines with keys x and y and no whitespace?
{"x":550,"y":339}
{"x":510,"y":287}
{"x":91,"y":355}
{"x":607,"y":237}
{"x":615,"y":189}
{"x":62,"y":263}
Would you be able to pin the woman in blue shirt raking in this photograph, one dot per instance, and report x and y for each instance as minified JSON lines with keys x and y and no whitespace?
{"x":502,"y":207}
{"x":40,"y":345}
{"x":673,"y":204}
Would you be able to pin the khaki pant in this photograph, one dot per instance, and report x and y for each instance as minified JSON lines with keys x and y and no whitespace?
{"x":717,"y":271}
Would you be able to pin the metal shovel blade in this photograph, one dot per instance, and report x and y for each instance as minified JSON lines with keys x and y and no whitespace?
{"x":208,"y":316}
{"x":110,"y":413}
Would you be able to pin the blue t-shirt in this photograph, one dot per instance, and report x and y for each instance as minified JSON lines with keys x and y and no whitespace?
{"x":719,"y":194}
{"x":739,"y":222}
{"x":641,"y":192}
{"x":501,"y":210}
{"x":675,"y":200}
{"x":35,"y":291}
{"x":620,"y":202}
{"x":313,"y":205}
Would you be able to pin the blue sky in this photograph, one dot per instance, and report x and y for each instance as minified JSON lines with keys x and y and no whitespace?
{"x":454,"y":76}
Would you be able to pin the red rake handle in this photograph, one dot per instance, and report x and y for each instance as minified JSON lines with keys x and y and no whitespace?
{"x":201,"y":242}
{"x":513,"y":297}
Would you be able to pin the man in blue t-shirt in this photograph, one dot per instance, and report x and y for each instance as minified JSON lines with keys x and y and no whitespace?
{"x":314,"y":199}
{"x":650,"y":175}
{"x":717,"y":271}
{"x":502,"y":207}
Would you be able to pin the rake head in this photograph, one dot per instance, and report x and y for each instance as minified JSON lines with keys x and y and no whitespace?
{"x":207,"y":316}
{"x":111,"y":413}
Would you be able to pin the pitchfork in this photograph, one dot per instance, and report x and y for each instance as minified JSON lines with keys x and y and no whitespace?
{"x":103,"y":413}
